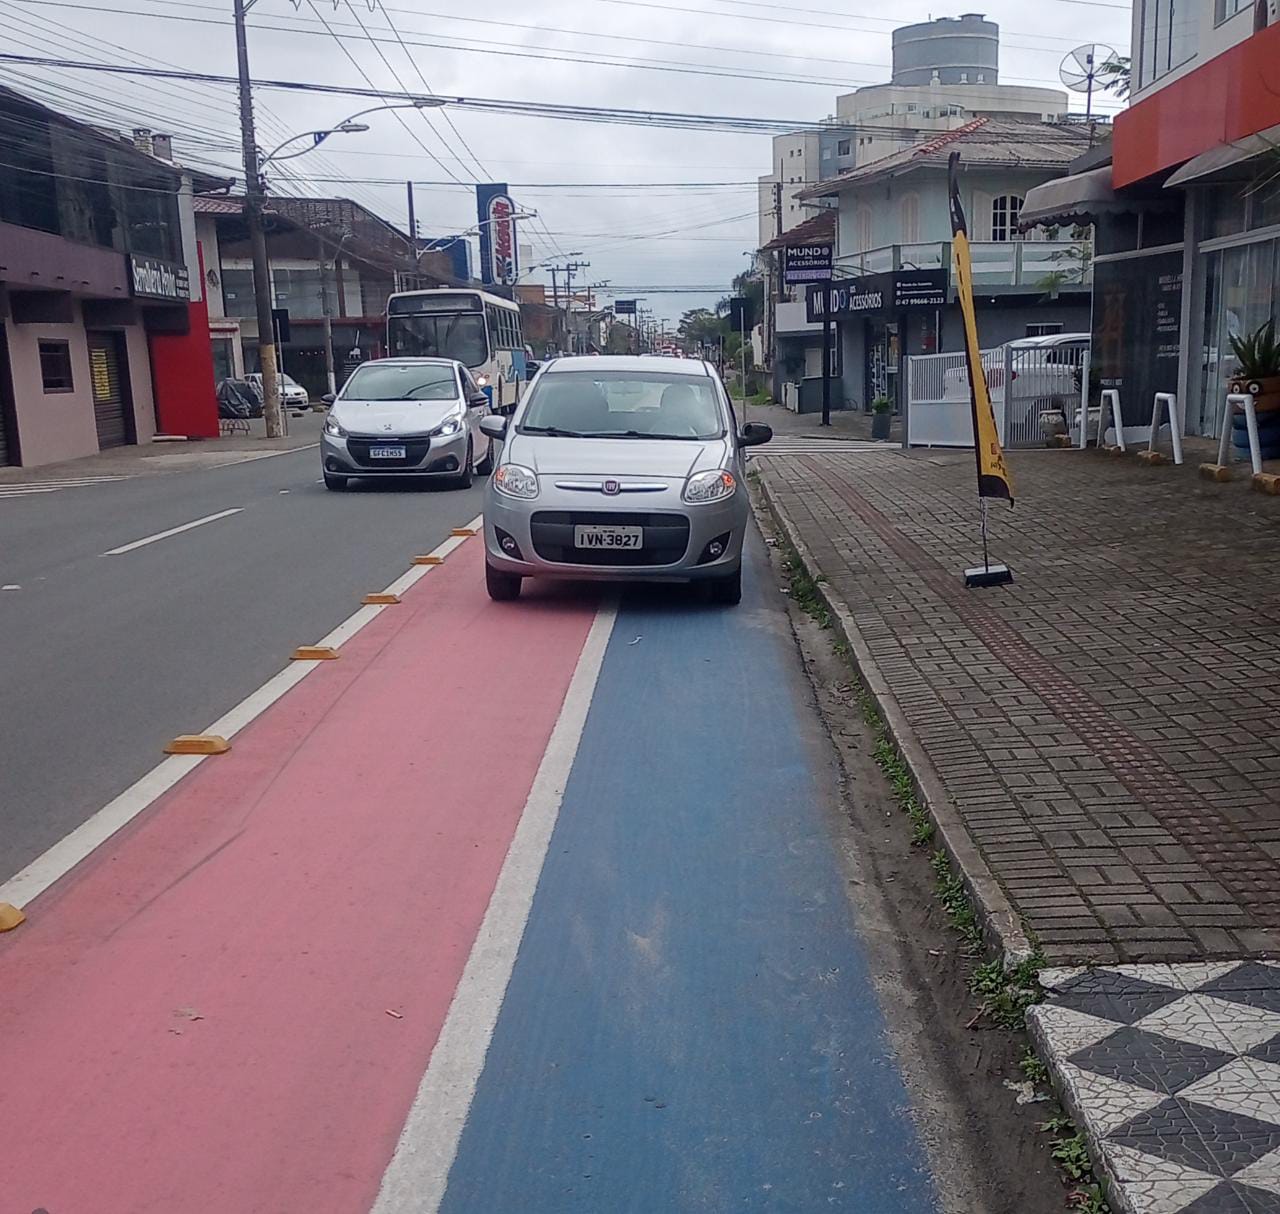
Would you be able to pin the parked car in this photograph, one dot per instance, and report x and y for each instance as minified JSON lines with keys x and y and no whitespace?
{"x":1051,"y":362}
{"x":292,"y":394}
{"x":622,"y":468}
{"x":406,"y":417}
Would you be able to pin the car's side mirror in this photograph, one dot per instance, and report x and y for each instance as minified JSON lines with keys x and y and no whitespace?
{"x":530,"y":370}
{"x":328,"y":398}
{"x":495,"y":426}
{"x":753,"y":434}
{"x":478,"y":398}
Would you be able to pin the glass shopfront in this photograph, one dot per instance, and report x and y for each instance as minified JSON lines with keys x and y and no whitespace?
{"x":1241,"y":285}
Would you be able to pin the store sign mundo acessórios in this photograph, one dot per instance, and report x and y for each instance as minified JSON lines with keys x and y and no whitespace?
{"x":808,"y":263}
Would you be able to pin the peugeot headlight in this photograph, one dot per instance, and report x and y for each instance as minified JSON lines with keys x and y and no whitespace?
{"x":332,"y":428}
{"x":515,"y":480}
{"x":710,"y":486}
{"x":450,"y":425}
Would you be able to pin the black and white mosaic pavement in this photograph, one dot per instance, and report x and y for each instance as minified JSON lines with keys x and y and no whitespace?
{"x":1173,"y":1072}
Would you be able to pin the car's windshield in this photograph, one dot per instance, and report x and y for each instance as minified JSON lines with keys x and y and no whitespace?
{"x":402,"y":381}
{"x":459,"y":335}
{"x":624,"y":404}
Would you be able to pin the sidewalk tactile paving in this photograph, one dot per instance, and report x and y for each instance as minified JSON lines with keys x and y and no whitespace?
{"x":1179,"y":1098}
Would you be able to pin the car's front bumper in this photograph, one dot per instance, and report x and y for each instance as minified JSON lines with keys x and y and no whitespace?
{"x":436,"y":456}
{"x":678,"y":537}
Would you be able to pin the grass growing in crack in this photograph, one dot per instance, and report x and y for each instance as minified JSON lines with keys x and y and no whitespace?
{"x":1006,"y":994}
{"x":804,"y":591}
{"x":1031,"y":1066}
{"x":955,"y":901}
{"x":1071,"y":1154}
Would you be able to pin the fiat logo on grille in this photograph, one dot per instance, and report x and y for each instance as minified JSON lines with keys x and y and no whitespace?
{"x":612,"y":488}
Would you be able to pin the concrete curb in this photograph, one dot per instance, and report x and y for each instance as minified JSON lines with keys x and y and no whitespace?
{"x":1001,"y":926}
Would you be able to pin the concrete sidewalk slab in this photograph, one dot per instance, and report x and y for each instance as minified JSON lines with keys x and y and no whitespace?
{"x":1103,"y":728}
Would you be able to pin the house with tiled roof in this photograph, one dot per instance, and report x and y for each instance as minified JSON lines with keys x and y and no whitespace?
{"x":894,"y":296}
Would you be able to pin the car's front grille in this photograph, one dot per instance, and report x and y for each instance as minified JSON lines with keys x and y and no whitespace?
{"x":666,"y":537}
{"x":415,"y":450}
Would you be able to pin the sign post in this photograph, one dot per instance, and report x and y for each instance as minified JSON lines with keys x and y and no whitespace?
{"x":815,"y":263}
{"x":826,"y":353}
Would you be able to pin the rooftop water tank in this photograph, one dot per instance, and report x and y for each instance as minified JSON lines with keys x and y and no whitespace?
{"x":950,"y":50}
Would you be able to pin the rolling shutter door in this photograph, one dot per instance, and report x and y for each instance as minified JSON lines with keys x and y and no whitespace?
{"x":108,"y":392}
{"x":8,"y":449}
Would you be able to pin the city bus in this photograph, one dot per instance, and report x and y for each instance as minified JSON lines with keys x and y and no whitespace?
{"x":480,"y":330}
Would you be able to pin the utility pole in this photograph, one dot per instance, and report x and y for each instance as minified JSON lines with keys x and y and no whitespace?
{"x":253,"y":198}
{"x":328,"y":311}
{"x":568,"y":270}
{"x":413,"y":227}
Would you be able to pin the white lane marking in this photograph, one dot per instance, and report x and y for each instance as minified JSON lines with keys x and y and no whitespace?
{"x":418,"y":1174}
{"x":69,"y":851}
{"x":164,"y":535}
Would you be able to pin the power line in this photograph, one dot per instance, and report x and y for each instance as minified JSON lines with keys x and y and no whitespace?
{"x":652,"y":119}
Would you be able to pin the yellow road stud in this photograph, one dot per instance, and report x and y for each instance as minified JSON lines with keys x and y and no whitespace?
{"x":380,"y":600}
{"x":428,"y":560}
{"x":464,"y":531}
{"x":10,"y":917}
{"x":198,"y":744}
{"x":314,"y":653}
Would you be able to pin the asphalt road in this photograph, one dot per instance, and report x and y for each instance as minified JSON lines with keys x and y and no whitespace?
{"x":105,"y":658}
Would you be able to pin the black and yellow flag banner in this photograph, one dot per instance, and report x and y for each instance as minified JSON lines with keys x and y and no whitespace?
{"x":993,"y":473}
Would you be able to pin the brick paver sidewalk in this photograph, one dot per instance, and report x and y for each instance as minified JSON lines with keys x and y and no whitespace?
{"x":1107,"y":727}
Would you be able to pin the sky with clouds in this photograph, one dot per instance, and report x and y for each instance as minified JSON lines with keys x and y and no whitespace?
{"x":769,"y":60}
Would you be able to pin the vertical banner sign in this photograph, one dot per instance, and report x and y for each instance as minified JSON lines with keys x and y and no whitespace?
{"x":993,"y":474}
{"x":496,"y":218}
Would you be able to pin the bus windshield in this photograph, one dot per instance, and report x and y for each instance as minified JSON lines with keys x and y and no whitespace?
{"x":459,"y":335}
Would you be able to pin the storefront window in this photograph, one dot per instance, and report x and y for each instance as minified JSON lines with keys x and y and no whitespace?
{"x":1242,"y":291}
{"x":237,"y":293}
{"x":223,"y":360}
{"x":1223,"y":212}
{"x":1264,"y":201}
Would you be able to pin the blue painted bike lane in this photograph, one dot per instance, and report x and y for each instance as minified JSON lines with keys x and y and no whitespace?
{"x":690,"y":1025}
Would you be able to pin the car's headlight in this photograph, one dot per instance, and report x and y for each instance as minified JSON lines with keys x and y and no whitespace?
{"x":450,"y":425}
{"x":333,"y":429}
{"x":515,"y":480}
{"x":709,"y":486}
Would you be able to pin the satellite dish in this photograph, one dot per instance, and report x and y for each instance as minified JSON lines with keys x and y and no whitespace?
{"x":1079,"y":70}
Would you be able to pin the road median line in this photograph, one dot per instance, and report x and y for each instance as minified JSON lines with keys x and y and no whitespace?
{"x":57,"y":861}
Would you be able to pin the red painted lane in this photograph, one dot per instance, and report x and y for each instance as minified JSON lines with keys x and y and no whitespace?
{"x":336,"y":864}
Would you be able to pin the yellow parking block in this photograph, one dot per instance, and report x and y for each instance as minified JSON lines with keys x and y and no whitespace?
{"x":198,"y":744}
{"x":428,"y":560}
{"x":380,"y":600}
{"x":10,"y":917}
{"x":464,"y":531}
{"x":315,"y":653}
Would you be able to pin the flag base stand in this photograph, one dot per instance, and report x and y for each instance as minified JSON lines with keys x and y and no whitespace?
{"x":988,"y":575}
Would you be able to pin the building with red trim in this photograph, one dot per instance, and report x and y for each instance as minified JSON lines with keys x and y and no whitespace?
{"x":1186,"y":205}
{"x":103,"y":335}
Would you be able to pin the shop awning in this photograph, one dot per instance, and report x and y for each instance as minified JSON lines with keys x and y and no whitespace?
{"x":1228,"y":161}
{"x":1071,"y":199}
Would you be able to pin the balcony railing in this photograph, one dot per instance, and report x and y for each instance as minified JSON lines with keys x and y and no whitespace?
{"x":1047,"y":264}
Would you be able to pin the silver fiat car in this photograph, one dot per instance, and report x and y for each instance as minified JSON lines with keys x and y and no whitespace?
{"x":620,"y":468}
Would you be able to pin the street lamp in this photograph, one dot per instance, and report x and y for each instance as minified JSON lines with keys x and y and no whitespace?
{"x":348,"y":126}
{"x":450,"y":241}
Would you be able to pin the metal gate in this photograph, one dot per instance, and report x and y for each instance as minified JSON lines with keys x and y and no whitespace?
{"x":110,"y":390}
{"x":1043,"y":395}
{"x":938,"y":410}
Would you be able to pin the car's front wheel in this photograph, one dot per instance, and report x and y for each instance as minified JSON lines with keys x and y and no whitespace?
{"x":728,"y":590}
{"x":463,"y":479}
{"x":502,"y":587}
{"x":336,"y":483}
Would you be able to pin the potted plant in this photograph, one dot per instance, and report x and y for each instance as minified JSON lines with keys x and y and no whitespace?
{"x":1258,"y":357}
{"x":881,"y":418}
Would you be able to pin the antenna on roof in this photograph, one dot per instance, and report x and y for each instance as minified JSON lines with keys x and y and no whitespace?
{"x":1079,"y":71}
